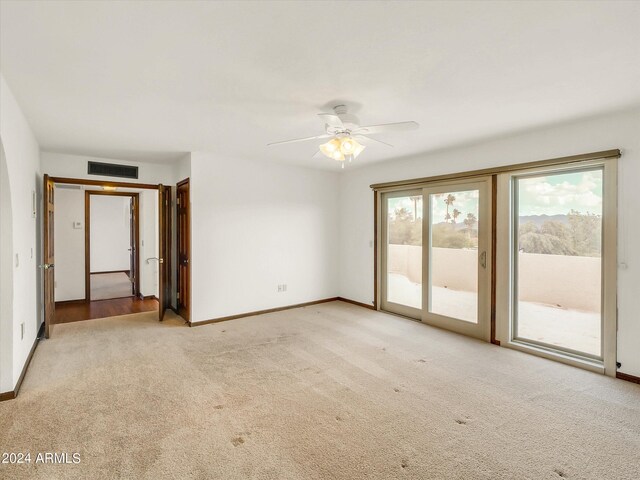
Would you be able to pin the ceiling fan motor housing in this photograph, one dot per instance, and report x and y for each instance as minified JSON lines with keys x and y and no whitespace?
{"x":350,"y":122}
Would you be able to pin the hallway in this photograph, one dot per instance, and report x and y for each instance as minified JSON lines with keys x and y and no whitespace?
{"x":67,"y":312}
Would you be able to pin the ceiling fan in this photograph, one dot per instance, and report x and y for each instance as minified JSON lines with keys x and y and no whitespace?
{"x":344,"y":131}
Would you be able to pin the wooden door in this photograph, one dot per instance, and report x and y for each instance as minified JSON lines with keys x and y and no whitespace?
{"x":132,"y":246}
{"x":48,"y":257}
{"x":184,"y":249}
{"x":164,"y":237}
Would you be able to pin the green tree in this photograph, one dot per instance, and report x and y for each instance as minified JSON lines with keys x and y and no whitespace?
{"x":586,"y":233}
{"x":445,"y":235}
{"x":470,"y":221}
{"x":404,"y":229}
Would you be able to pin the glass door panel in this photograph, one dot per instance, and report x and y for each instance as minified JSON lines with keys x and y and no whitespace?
{"x":457,"y":266}
{"x":453,"y":254}
{"x":402,"y":256}
{"x":558,"y":260}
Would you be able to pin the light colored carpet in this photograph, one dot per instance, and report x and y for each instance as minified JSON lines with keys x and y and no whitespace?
{"x":332,"y":391}
{"x":110,"y":285}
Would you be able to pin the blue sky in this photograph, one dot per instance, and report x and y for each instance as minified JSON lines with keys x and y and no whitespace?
{"x":558,"y":194}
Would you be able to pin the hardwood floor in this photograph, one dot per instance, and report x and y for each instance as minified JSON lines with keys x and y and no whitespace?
{"x":75,"y":311}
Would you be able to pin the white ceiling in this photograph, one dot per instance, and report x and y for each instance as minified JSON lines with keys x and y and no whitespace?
{"x":149,"y":81}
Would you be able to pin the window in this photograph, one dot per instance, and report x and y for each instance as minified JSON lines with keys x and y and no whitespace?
{"x":556,"y":276}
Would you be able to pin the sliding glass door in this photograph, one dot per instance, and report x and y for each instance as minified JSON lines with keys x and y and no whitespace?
{"x":458,"y":257}
{"x":553,"y":226}
{"x":435,"y":256}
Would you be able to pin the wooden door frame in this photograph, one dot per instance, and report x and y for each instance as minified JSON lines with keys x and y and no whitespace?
{"x":87,"y":237}
{"x":101,"y":183}
{"x":49,"y":315}
{"x":188,"y":207}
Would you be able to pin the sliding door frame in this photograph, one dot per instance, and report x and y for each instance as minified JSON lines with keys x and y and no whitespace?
{"x":501,"y":291}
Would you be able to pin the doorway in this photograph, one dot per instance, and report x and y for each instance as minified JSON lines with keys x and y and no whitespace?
{"x":112,"y":245}
{"x":142,"y":201}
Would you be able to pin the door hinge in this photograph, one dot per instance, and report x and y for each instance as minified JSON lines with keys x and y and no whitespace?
{"x":178,"y":296}
{"x":178,"y":200}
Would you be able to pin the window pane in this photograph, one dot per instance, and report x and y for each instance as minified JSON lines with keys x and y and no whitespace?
{"x":404,"y":254}
{"x":453,"y":290}
{"x":559,"y":222}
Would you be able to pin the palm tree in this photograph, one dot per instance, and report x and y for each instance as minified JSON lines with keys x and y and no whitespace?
{"x":449,"y":201}
{"x":470,"y":221}
{"x":456,"y":213}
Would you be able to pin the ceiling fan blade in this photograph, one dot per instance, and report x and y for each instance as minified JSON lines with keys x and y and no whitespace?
{"x":324,"y":135}
{"x":387,"y":127}
{"x":365,"y":139}
{"x":332,"y":120}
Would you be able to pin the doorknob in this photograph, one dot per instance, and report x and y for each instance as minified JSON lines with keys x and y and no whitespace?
{"x":483,"y":259}
{"x":46,"y":266}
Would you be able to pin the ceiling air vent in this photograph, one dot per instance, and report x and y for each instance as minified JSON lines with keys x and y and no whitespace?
{"x":112,"y":170}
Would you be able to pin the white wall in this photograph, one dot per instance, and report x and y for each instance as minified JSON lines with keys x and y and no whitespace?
{"x":110,"y":233}
{"x":69,"y":244}
{"x":256,"y":225}
{"x":75,"y":166}
{"x":148,"y":242}
{"x":618,"y":130}
{"x":22,"y":157}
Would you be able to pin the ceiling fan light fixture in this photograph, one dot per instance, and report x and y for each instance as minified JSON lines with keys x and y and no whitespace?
{"x":329,"y":148}
{"x":358,"y":150}
{"x":342,"y":129}
{"x":348,"y":145}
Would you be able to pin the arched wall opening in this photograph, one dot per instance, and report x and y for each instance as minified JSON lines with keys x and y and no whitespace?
{"x":6,"y":278}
